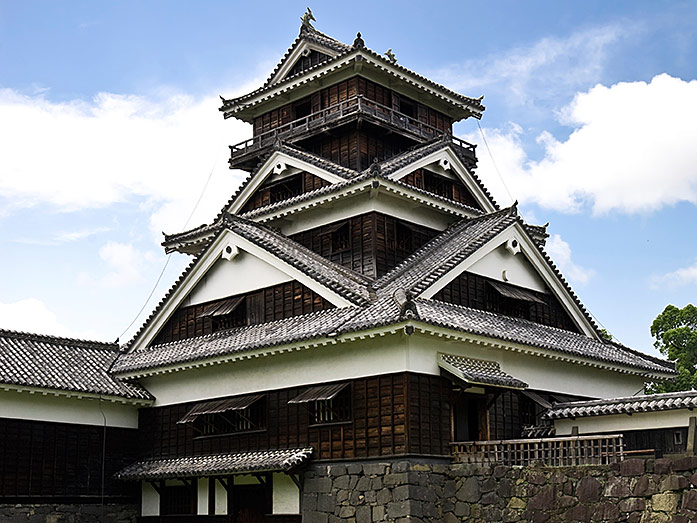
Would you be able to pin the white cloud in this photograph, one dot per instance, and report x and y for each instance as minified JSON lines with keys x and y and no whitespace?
{"x":678,"y":278}
{"x":116,"y":148}
{"x":632,"y":151}
{"x":125,"y":266}
{"x":560,"y":252}
{"x":72,"y":236}
{"x":549,"y":67}
{"x":32,"y":315}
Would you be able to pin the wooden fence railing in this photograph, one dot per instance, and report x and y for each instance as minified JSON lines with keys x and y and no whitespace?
{"x":345,"y":108}
{"x":559,"y":452}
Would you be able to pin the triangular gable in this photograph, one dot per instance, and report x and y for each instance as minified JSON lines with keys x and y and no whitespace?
{"x":309,"y":41}
{"x":531,"y":271}
{"x":198,"y":283}
{"x":277,"y":166}
{"x":445,"y":162}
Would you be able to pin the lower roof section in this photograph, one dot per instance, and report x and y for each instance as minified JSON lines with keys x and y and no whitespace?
{"x":478,"y":372}
{"x":282,"y":460}
{"x":628,"y":405}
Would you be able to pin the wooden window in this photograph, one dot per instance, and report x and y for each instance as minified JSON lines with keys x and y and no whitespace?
{"x":340,"y":238}
{"x":407,"y":107}
{"x":286,"y":188}
{"x":233,"y":421}
{"x":302,"y":108}
{"x":332,"y":410}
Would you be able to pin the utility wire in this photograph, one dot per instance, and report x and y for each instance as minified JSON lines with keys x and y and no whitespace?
{"x":169,"y":256}
{"x":481,"y":131}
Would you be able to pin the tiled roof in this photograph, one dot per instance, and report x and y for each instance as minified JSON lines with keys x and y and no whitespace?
{"x":309,"y":34}
{"x":525,"y":332}
{"x":235,"y":341}
{"x":216,"y":464}
{"x":479,"y":372}
{"x":474,"y":105}
{"x":444,"y":252}
{"x":627,"y":405}
{"x":62,"y":364}
{"x":349,"y":284}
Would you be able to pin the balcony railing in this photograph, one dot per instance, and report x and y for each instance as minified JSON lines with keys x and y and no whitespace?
{"x":349,"y":108}
{"x":557,"y":452}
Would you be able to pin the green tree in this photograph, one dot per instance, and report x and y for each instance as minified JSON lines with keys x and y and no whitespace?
{"x":675,"y":334}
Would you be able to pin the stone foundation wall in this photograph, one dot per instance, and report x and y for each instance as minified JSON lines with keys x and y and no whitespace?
{"x":636,"y":490}
{"x":72,"y":513}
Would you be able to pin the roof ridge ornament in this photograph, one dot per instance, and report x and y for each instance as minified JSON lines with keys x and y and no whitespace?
{"x":375,"y":167}
{"x":390,"y":56}
{"x":358,"y":43}
{"x":307,"y":20}
{"x":513,"y":211}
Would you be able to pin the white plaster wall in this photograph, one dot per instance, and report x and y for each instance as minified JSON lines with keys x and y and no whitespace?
{"x":244,"y":273}
{"x":202,"y":497}
{"x":150,"y":500}
{"x":518,"y":269}
{"x":40,"y":407}
{"x":622,"y":422}
{"x":363,"y":203}
{"x":220,"y":499}
{"x":380,"y":355}
{"x":286,"y":496}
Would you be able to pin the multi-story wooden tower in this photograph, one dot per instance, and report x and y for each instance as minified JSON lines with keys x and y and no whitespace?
{"x":361,"y":296}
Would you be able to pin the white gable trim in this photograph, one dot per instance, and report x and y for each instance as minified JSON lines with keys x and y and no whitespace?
{"x":226,"y":238}
{"x":530,"y":251}
{"x":461,"y":172}
{"x":267,"y":169}
{"x":295,"y":55}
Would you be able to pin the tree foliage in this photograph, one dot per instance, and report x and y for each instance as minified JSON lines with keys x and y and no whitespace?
{"x":675,"y":334}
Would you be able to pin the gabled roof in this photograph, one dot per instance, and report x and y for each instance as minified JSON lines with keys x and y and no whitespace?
{"x":347,"y":284}
{"x":65,"y":365}
{"x":464,"y":106}
{"x":216,"y":464}
{"x":626,"y":405}
{"x":528,"y":333}
{"x":313,"y":37}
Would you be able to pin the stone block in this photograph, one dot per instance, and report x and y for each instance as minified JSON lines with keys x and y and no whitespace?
{"x":686,"y":463}
{"x":537,"y":478}
{"x":449,"y":488}
{"x":462,"y":510}
{"x":488,"y":485}
{"x":663,"y":466}
{"x":342,"y":482}
{"x":363,"y":484}
{"x":469,"y":491}
{"x":337,"y":470}
{"x":543,"y":500}
{"x":517,"y":504}
{"x":632,"y":467}
{"x":617,"y":487}
{"x":491,"y":513}
{"x":581,"y":512}
{"x":401,"y":493}
{"x":567,"y":501}
{"x":644,"y":487}
{"x":509,"y":515}
{"x":632,"y":504}
{"x":326,"y":503}
{"x":665,"y":502}
{"x":607,"y":511}
{"x":384,"y":496}
{"x":376,"y":483}
{"x":689,"y":500}
{"x":489,"y":498}
{"x":505,"y":488}
{"x":500,"y":471}
{"x":673,"y":482}
{"x":347,"y":512}
{"x":377,"y":469}
{"x":318,"y":485}
{"x":354,"y":468}
{"x":398,"y":509}
{"x":395,"y":479}
{"x":379,"y":513}
{"x":450,"y":518}
{"x":364,"y":514}
{"x":588,"y":490}
{"x":315,"y":517}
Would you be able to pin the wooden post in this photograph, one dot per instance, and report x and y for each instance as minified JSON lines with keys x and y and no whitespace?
{"x":691,"y":435}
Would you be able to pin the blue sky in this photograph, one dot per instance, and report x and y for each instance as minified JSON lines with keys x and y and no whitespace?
{"x":110,"y":132}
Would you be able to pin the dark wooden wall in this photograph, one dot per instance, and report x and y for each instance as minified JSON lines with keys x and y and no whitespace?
{"x":344,"y":90}
{"x":49,"y":461}
{"x":287,"y":188}
{"x":377,"y":242}
{"x":391,"y":414}
{"x":472,"y":290}
{"x":272,"y":303}
{"x":664,"y":441}
{"x":453,"y":189}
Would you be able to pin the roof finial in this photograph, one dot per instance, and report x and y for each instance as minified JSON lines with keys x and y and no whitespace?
{"x":375,"y":167}
{"x":514,"y":209}
{"x":390,"y":56}
{"x":358,"y":43}
{"x":307,"y":20}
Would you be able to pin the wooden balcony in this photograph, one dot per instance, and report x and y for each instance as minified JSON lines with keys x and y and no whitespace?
{"x":555,"y":452}
{"x":244,"y":154}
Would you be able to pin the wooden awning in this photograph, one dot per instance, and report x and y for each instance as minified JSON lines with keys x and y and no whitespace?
{"x":222,"y":308}
{"x":516,"y":293}
{"x":322,"y":392}
{"x":478,"y":372}
{"x":220,"y":406}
